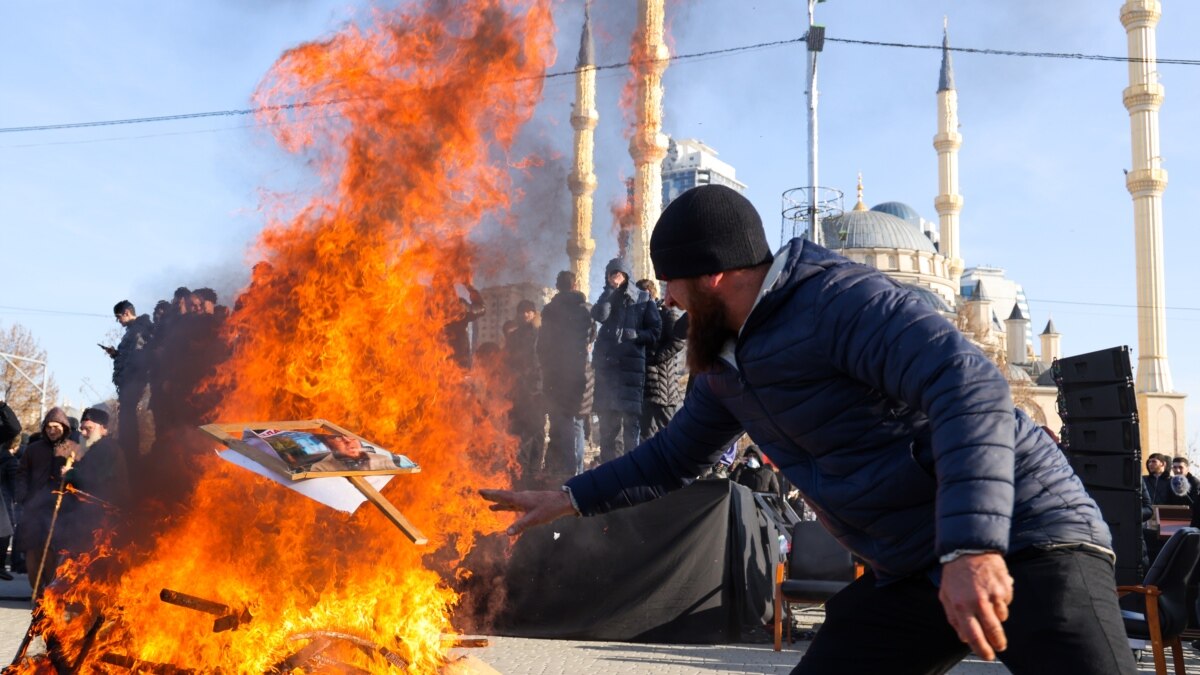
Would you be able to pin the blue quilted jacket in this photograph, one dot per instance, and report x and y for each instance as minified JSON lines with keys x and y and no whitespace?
{"x":900,"y":433}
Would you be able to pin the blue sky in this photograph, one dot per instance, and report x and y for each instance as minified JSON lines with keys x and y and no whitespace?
{"x":91,"y":216}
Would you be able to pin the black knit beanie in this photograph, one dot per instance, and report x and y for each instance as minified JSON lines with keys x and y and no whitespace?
{"x":708,"y":229}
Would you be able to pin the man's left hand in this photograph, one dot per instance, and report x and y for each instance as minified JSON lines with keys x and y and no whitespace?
{"x":976,"y":592}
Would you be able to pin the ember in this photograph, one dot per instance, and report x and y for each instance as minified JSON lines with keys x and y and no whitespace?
{"x":344,"y":320}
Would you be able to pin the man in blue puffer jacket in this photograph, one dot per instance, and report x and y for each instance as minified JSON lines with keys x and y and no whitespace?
{"x":901,"y":435}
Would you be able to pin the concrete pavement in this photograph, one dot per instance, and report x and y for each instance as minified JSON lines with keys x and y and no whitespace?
{"x":520,"y":656}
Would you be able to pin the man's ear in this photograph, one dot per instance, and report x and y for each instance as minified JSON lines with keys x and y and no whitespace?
{"x":712,"y":281}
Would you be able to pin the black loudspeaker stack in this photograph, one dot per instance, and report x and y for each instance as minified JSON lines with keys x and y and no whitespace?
{"x":1100,"y":437}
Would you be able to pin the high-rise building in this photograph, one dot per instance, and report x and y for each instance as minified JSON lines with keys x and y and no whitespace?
{"x":689,"y":163}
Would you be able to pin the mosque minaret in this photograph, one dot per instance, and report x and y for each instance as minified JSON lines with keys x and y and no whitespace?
{"x":582,"y":180}
{"x":1146,"y":182}
{"x":947,"y":142}
{"x":1160,"y":408}
{"x":648,"y":147}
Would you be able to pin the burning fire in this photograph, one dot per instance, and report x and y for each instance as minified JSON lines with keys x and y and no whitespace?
{"x":415,"y":115}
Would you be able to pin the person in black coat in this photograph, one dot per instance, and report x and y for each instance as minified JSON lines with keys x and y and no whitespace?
{"x":131,"y":370}
{"x":629,"y":324}
{"x":528,"y":415}
{"x":1157,"y":481}
{"x":41,"y":474}
{"x":754,"y":474}
{"x":102,"y":479}
{"x":665,"y":370}
{"x":562,"y":350}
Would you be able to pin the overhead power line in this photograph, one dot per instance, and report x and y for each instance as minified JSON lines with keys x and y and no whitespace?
{"x":611,"y":66}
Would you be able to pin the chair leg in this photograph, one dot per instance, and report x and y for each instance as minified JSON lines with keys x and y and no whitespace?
{"x":790,"y":621}
{"x":779,"y":608}
{"x":1177,"y":654}
{"x":1156,"y":641}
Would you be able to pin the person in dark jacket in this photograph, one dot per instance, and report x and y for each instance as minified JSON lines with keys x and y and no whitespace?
{"x":1157,"y":481}
{"x":10,"y":426}
{"x":629,"y":325}
{"x":900,"y":434}
{"x":664,"y":368}
{"x":466,"y":312}
{"x":528,"y":415}
{"x":40,"y":477}
{"x":567,"y":330}
{"x":1189,"y":494}
{"x":754,"y":474}
{"x":131,"y":371}
{"x":102,"y":479}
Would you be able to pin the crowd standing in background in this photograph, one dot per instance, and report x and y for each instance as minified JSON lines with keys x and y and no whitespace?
{"x":578,"y":376}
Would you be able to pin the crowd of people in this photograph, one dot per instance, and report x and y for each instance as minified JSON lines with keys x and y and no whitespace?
{"x":592,"y":381}
{"x":608,"y":374}
{"x":61,"y":482}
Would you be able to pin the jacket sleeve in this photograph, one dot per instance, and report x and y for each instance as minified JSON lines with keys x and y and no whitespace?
{"x":603,"y":306}
{"x":651,"y":328}
{"x":668,"y":345}
{"x":692,"y":442}
{"x":21,"y":488}
{"x":891,"y":340}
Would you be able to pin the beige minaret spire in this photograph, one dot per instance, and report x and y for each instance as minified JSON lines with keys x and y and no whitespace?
{"x":1015,"y":328}
{"x":947,"y":142}
{"x":1146,"y":181}
{"x":1051,"y":343}
{"x":648,"y":146}
{"x":582,"y":180}
{"x":1160,"y":408}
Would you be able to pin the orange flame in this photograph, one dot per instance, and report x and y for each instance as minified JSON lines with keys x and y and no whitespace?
{"x":345,"y":321}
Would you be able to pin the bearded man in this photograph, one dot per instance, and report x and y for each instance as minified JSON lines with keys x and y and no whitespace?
{"x":900,"y":434}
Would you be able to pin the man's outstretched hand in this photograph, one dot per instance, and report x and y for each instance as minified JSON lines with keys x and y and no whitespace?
{"x":539,"y":507}
{"x":976,"y":592}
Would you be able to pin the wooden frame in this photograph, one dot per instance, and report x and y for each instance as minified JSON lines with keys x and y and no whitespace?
{"x":223,"y":433}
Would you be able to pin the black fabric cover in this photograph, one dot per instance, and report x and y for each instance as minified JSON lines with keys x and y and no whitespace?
{"x":693,"y":567}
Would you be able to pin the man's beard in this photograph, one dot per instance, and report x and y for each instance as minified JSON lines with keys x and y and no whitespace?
{"x":708,"y":329}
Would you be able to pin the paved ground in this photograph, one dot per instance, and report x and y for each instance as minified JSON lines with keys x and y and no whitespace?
{"x":518,"y":656}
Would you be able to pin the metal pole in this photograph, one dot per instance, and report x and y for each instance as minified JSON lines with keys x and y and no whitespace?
{"x":8,"y":358}
{"x":45,"y":378}
{"x":814,"y":218}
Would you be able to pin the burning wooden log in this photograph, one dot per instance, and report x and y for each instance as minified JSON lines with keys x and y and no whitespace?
{"x":366,"y":646}
{"x":140,"y":666}
{"x":89,"y":639}
{"x":228,"y":618}
{"x":232,"y":621}
{"x":192,"y":602}
{"x":450,"y":641}
{"x":339,"y":666}
{"x":300,"y":657}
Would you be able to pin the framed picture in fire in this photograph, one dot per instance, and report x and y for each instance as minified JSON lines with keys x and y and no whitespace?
{"x":301,"y":449}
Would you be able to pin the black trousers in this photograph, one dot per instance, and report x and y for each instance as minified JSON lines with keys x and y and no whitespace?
{"x":1063,"y":619}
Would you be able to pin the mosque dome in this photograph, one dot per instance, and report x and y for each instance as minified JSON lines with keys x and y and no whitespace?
{"x":900,"y":210}
{"x":873,"y":229}
{"x":930,"y":298}
{"x":1017,"y":374}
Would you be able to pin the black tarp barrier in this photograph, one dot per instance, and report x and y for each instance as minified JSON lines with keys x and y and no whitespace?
{"x":693,"y":567}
